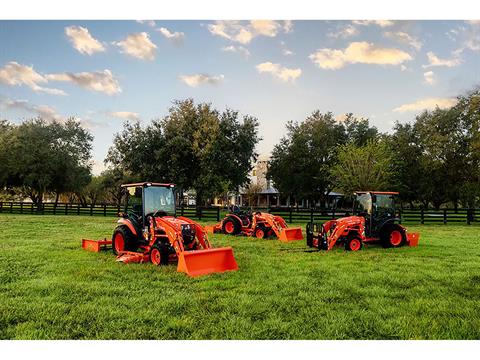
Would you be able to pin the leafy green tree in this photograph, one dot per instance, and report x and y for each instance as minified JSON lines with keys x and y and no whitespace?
{"x":358,"y":130}
{"x":367,"y":167}
{"x":42,"y":157}
{"x":300,"y":162}
{"x":194,"y":146}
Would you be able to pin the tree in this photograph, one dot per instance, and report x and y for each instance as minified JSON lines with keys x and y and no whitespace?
{"x":300,"y":163}
{"x":251,"y":193}
{"x":194,"y":146}
{"x":358,"y":130}
{"x":367,"y":167}
{"x":41,"y":157}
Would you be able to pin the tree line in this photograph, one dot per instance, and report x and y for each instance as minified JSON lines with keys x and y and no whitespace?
{"x":433,"y":160}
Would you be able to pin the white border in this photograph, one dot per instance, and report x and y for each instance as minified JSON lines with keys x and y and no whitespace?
{"x":240,"y":9}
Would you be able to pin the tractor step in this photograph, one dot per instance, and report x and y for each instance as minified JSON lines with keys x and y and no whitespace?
{"x":96,"y":245}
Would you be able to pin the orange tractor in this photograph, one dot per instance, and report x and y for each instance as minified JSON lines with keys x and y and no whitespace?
{"x":258,"y":224}
{"x":149,"y":231}
{"x":374,"y":220}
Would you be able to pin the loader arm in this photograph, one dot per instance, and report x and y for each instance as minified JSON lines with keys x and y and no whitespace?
{"x":281,"y":229}
{"x":335,"y":230}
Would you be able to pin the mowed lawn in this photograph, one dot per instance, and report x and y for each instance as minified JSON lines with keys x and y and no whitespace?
{"x":52,"y":289}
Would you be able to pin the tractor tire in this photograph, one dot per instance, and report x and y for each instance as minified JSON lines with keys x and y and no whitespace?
{"x":353,"y":243}
{"x":393,"y":236}
{"x":158,"y":255}
{"x":123,"y":240}
{"x":260,"y":232}
{"x":231,"y":226}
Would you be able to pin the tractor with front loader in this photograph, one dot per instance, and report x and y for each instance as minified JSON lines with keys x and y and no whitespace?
{"x":374,"y":219}
{"x":149,"y":231}
{"x":258,"y":224}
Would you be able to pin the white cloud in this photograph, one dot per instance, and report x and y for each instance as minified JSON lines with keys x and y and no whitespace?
{"x":201,"y":79}
{"x":100,"y":81}
{"x":404,"y":38}
{"x":426,"y":104}
{"x":381,"y":23}
{"x":345,"y":32}
{"x":285,"y":50}
{"x":150,"y":23}
{"x":244,"y":32}
{"x":82,"y":41}
{"x":44,"y":111}
{"x":176,"y":37}
{"x":138,"y":46}
{"x":276,"y":70}
{"x":429,"y":78}
{"x":358,"y":52}
{"x":15,"y":74}
{"x":434,"y":60}
{"x":127,"y":115}
{"x":237,"y":49}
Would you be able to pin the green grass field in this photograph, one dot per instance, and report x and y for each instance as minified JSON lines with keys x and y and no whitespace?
{"x":52,"y":289}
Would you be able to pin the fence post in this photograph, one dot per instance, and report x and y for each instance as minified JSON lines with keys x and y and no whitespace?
{"x":105,"y":210}
{"x":54,"y":209}
{"x":182,"y":211}
{"x":311,"y":215}
{"x":200,"y":213}
{"x":11,"y":207}
{"x":31,"y":209}
{"x":78,"y":209}
{"x":333,"y":214}
{"x":21,"y":207}
{"x":91,"y":209}
{"x":1,"y":206}
{"x":444,"y":216}
{"x":66,"y":208}
{"x":422,"y":217}
{"x":468,"y":216}
{"x":218,"y":213}
{"x":290,"y":216}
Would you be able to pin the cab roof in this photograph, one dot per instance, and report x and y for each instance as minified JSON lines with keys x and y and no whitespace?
{"x":377,"y":192}
{"x":148,"y":183}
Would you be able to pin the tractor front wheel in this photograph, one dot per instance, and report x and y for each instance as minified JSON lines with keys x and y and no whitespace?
{"x":158,"y":255}
{"x":260,"y":232}
{"x":353,"y":243}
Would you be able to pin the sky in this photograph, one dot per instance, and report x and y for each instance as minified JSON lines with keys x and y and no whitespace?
{"x":108,"y":72}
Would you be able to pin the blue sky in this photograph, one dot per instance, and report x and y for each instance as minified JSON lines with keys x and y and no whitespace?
{"x":104,"y":72}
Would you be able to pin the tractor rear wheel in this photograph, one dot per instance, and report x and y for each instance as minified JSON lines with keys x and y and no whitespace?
{"x":393,"y":236}
{"x":231,"y":226}
{"x":353,"y":243}
{"x":123,"y":240}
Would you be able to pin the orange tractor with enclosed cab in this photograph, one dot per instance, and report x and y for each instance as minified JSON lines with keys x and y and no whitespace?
{"x":374,"y":219}
{"x":258,"y":224}
{"x":149,"y":231}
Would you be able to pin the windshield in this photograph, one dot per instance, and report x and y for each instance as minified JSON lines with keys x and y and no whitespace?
{"x":159,"y":198}
{"x":363,"y":204}
{"x":385,"y":203}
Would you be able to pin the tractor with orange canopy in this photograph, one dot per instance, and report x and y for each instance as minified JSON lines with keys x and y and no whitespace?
{"x":374,"y":219}
{"x":149,"y":231}
{"x":258,"y":224}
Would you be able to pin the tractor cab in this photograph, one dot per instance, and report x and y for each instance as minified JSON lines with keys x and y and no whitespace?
{"x":141,"y":200}
{"x":378,"y":209}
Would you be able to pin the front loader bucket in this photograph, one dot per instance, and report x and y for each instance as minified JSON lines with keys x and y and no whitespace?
{"x":203,"y":262}
{"x":291,"y":234}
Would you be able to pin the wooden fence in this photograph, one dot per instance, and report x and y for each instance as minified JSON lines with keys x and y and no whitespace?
{"x":291,"y":215}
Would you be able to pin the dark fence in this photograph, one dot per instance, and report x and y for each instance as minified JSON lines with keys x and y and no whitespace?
{"x":290,"y":214}
{"x":11,"y":207}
